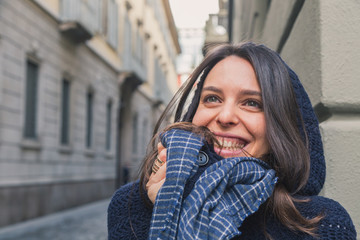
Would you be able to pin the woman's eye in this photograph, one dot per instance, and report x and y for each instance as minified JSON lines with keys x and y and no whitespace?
{"x":211,"y":99}
{"x":252,"y":103}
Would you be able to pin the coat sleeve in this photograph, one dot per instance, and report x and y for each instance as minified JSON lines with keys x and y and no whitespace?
{"x":336,"y":222}
{"x":128,"y":217}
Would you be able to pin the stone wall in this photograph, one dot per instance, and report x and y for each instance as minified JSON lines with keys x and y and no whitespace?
{"x":40,"y":176}
{"x":320,"y":41}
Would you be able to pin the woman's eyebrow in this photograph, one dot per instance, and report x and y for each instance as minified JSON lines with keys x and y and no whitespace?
{"x":213,"y":89}
{"x":242,"y":92}
{"x":250,"y":92}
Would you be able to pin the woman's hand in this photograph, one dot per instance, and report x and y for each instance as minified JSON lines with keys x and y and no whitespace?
{"x":157,"y":179}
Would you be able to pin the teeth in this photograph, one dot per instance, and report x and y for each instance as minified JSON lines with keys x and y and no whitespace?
{"x":230,"y":145}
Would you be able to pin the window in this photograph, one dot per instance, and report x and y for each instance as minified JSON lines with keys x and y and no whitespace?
{"x":142,"y":54}
{"x":145,"y":53}
{"x":135,"y":133}
{"x":158,"y":78}
{"x":145,"y":136}
{"x":112,"y":21}
{"x":89,"y":117}
{"x":128,"y":46}
{"x":134,"y":41}
{"x":65,"y":112}
{"x":108,"y":125}
{"x":32,"y":70}
{"x":109,"y":22}
{"x":138,"y":46}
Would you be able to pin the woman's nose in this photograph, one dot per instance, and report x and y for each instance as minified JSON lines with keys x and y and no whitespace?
{"x":228,"y":116}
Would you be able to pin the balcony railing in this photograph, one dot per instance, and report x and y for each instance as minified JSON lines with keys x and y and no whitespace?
{"x":80,"y":19}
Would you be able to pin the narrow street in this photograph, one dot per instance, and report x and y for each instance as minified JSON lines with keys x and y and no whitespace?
{"x":87,"y":222}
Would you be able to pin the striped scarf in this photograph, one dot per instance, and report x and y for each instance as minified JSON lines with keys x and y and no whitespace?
{"x":225,"y":194}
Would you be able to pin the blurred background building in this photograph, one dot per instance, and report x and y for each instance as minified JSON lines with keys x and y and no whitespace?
{"x":191,"y":42}
{"x":81,"y":85}
{"x":216,"y":27}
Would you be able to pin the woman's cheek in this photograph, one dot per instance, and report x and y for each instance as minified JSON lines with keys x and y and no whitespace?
{"x":202,"y":116}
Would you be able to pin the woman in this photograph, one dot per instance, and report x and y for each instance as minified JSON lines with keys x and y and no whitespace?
{"x":248,"y":105}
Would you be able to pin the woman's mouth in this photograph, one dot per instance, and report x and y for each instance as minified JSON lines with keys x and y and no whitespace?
{"x":229,"y":146}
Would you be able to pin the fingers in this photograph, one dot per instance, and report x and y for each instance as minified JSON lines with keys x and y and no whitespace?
{"x":155,"y":182}
{"x":162,"y":155}
{"x":157,"y":177}
{"x":154,"y":189}
{"x":161,"y":172}
{"x":160,"y":147}
{"x":160,"y":159}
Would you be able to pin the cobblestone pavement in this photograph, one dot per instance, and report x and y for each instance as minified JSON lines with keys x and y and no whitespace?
{"x":82,"y":223}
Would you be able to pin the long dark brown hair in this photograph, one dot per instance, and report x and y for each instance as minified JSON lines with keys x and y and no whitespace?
{"x":289,"y":154}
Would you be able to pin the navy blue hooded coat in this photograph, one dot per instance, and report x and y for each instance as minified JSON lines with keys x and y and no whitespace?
{"x":129,"y":217}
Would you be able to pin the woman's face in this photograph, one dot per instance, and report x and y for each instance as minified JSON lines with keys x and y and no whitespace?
{"x":231,"y":107}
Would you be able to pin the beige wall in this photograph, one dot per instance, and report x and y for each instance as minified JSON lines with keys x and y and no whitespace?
{"x":152,"y":20}
{"x":41,"y":175}
{"x":42,"y":168}
{"x":323,"y":49}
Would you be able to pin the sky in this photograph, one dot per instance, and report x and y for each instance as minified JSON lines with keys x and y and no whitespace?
{"x":192,"y":13}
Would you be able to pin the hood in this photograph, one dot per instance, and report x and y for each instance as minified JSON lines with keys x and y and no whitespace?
{"x":317,"y":161}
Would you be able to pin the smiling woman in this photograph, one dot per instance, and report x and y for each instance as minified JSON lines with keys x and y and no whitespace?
{"x":231,"y":107}
{"x":236,"y":163}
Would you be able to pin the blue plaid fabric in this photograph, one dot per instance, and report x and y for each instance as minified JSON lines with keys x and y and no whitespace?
{"x":225,"y":194}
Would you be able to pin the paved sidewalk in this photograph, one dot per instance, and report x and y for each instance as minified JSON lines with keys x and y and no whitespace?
{"x":87,"y":222}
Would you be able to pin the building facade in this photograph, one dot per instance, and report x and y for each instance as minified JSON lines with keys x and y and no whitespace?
{"x":216,"y":27}
{"x":81,"y":85}
{"x":191,"y":42}
{"x":320,"y":40}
